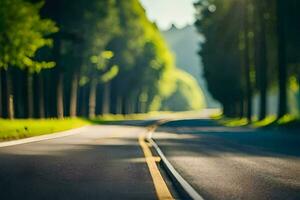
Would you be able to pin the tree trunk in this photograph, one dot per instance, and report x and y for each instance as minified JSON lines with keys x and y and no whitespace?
{"x":282,"y":71}
{"x":29,"y":95}
{"x":119,"y":109}
{"x":60,"y":100}
{"x":1,"y":102}
{"x":41,"y":97}
{"x":92,"y":98}
{"x":4,"y":94}
{"x":247,"y":64}
{"x":128,"y":109}
{"x":298,"y":94}
{"x":132,"y":104}
{"x":227,"y":110}
{"x":83,"y":91}
{"x":262,"y":60}
{"x":136,"y":104}
{"x":20,"y":91}
{"x":140,"y":107}
{"x":106,"y":99}
{"x":74,"y":94}
{"x":242,"y":108}
{"x":9,"y":96}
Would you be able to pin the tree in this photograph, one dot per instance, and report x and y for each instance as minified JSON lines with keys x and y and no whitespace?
{"x":261,"y":57}
{"x":22,"y":33}
{"x":100,"y":72}
{"x":282,"y":69}
{"x":109,"y":58}
{"x":221,"y":23}
{"x":102,"y":22}
{"x":249,"y":71}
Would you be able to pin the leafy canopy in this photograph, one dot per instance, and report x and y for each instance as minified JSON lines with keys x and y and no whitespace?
{"x":22,"y":33}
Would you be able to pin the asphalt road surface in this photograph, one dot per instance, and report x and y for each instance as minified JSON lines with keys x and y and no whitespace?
{"x":101,"y":162}
{"x":233,"y":163}
{"x":114,"y":162}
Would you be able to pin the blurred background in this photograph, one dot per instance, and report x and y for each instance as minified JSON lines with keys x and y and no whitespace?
{"x":63,"y":58}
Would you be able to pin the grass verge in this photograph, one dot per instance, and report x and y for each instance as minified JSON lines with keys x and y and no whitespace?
{"x":23,"y":128}
{"x":287,"y":121}
{"x":233,"y":122}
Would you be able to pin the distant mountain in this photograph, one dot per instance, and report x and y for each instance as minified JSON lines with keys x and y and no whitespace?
{"x":184,"y":44}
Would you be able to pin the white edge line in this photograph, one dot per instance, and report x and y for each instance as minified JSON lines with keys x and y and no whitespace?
{"x":193,"y":194}
{"x":43,"y":137}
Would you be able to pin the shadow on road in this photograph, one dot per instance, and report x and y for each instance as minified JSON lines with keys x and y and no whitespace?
{"x":71,"y":170}
{"x":233,"y":163}
{"x":191,"y":123}
{"x":195,"y":134}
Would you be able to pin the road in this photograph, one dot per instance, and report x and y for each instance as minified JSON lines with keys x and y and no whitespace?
{"x":101,"y":162}
{"x":233,"y":163}
{"x":115,"y":162}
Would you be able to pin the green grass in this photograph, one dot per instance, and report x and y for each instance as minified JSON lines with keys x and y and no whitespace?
{"x":268,"y":121}
{"x":217,"y":116}
{"x":17,"y":129}
{"x":24,"y":128}
{"x":287,"y":121}
{"x":233,"y":122}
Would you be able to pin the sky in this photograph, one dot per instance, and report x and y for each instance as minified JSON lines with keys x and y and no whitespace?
{"x":168,"y":12}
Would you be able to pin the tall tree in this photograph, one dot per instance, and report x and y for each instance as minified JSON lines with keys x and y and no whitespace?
{"x":22,"y":33}
{"x":282,"y":69}
{"x":101,"y":72}
{"x":1,"y":95}
{"x":105,"y":52}
{"x":261,"y":57}
{"x":223,"y":51}
{"x":248,"y":69}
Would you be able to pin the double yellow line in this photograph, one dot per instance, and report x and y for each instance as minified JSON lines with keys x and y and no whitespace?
{"x":160,"y":185}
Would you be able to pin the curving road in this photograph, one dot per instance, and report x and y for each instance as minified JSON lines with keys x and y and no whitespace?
{"x":115,"y":162}
{"x":233,"y":163}
{"x":101,"y":162}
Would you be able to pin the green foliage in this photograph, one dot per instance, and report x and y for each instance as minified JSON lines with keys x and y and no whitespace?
{"x":18,"y":129}
{"x":265,"y":122}
{"x":188,"y":95}
{"x":221,"y":53}
{"x":109,"y":75}
{"x":184,"y":42}
{"x":103,"y":26}
{"x":105,"y":52}
{"x":234,"y":122}
{"x":22,"y":33}
{"x":256,"y":40}
{"x":147,"y":65}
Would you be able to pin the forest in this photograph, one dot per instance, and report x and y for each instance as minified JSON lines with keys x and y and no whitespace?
{"x":62,"y":58}
{"x":251,"y":48}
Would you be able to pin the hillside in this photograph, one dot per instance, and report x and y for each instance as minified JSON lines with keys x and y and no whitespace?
{"x":184,"y":44}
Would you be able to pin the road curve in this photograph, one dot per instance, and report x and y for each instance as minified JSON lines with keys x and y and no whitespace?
{"x":233,"y":163}
{"x":101,"y":162}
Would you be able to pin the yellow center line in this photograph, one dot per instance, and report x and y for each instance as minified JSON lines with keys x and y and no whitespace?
{"x":160,"y":185}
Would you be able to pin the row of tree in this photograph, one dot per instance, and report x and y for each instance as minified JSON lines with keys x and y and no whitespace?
{"x":83,"y":58}
{"x":251,"y":46}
